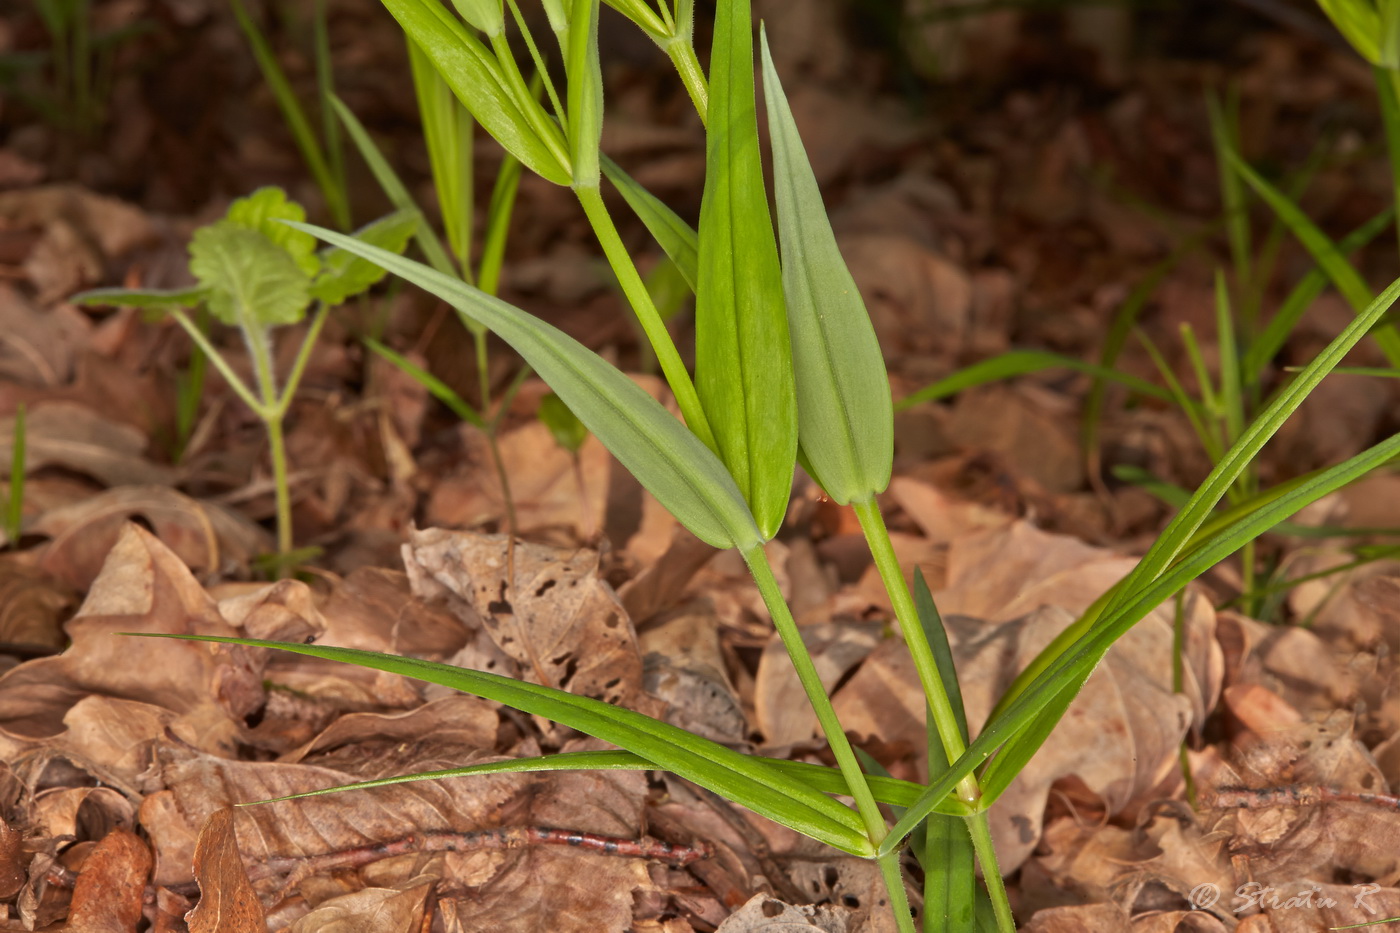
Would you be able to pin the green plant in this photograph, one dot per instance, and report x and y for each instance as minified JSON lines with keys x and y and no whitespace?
{"x":820,"y":397}
{"x":256,"y":273}
{"x":323,"y":155}
{"x":14,"y":501}
{"x":68,"y":83}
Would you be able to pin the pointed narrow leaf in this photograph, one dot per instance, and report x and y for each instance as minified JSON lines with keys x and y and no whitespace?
{"x":676,"y":237}
{"x":845,"y":414}
{"x":447,"y":131}
{"x":743,"y":358}
{"x":585,"y":106}
{"x":154,"y":299}
{"x":1166,"y":567}
{"x":474,"y":75}
{"x":747,"y":781}
{"x":673,"y":465}
{"x":486,"y":15}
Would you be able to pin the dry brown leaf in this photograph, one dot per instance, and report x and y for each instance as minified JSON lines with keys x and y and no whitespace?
{"x":227,"y":902}
{"x":919,"y":302}
{"x":544,"y":485}
{"x":1087,"y":918}
{"x":780,"y":705}
{"x":683,"y":664}
{"x":1033,"y":432}
{"x":38,"y":348}
{"x":12,"y":861}
{"x":111,"y":888}
{"x":73,"y":436}
{"x":206,"y":536}
{"x":369,"y":910}
{"x":556,"y":619}
{"x":143,"y":586}
{"x":765,"y":914}
{"x":33,"y":606}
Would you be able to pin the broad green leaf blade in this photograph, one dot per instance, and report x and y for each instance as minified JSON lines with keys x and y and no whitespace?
{"x":1018,"y":363}
{"x":262,"y":210}
{"x":152,"y":299}
{"x":845,"y":415}
{"x":674,"y":466}
{"x":1324,"y":252}
{"x":740,"y":778}
{"x":393,"y":188}
{"x":743,"y":357}
{"x":675,"y":237}
{"x":474,"y":75}
{"x":447,"y":130}
{"x":346,"y":274}
{"x":251,"y":281}
{"x":585,"y":76}
{"x":435,"y":386}
{"x":1168,"y":565}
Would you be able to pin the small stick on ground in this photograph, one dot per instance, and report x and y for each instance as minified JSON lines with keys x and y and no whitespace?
{"x":1293,"y":795}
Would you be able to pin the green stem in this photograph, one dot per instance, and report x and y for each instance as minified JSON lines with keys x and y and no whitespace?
{"x":783,"y":621}
{"x":318,"y":321}
{"x":899,"y":899}
{"x":981,"y":833}
{"x":278,"y":447}
{"x":945,"y":721}
{"x":235,"y":383}
{"x":877,"y":538}
{"x":682,"y":52}
{"x":637,"y":295}
{"x":1388,"y":90}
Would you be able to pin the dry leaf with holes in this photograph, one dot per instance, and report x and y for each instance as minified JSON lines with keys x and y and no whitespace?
{"x":557,"y":619}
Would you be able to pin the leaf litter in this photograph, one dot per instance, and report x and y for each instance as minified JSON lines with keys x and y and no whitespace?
{"x":123,"y":761}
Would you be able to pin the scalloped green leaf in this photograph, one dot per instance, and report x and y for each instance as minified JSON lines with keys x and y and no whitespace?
{"x":250,"y":280}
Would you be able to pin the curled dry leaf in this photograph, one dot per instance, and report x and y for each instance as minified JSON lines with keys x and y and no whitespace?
{"x":557,"y":619}
{"x":143,"y":586}
{"x":383,"y":910}
{"x":39,"y":346}
{"x":205,"y":536}
{"x":33,"y":606}
{"x":111,"y":887}
{"x":12,"y":860}
{"x":227,"y":901}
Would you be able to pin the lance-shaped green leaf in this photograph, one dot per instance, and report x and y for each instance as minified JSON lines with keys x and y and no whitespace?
{"x":250,"y":280}
{"x":674,"y":466}
{"x":746,"y":780}
{"x":1371,"y":26}
{"x":147,"y":299}
{"x":888,"y":790}
{"x":447,"y":130}
{"x":676,"y":237}
{"x":845,"y":414}
{"x":585,"y":75}
{"x":479,"y":82}
{"x":345,"y":274}
{"x":743,"y":359}
{"x":645,"y":18}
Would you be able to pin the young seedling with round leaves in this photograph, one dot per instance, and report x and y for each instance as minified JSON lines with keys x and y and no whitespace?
{"x":255,"y":273}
